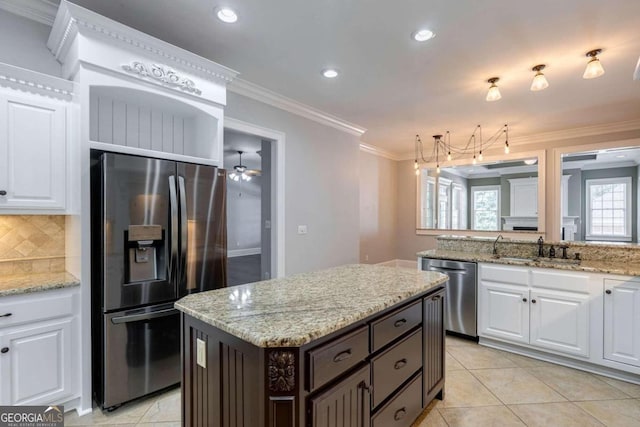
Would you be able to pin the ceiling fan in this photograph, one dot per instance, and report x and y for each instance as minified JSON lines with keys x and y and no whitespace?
{"x":240,"y":171}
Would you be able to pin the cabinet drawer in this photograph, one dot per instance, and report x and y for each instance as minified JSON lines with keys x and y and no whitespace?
{"x":33,"y":308}
{"x":505,"y":274}
{"x":403,"y":409}
{"x":330,"y":360}
{"x":390,"y":327}
{"x":396,"y":365}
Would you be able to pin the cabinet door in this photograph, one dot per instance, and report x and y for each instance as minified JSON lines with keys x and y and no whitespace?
{"x":433,"y":344}
{"x":622,"y":321}
{"x":504,"y":311}
{"x":524,"y":196}
{"x":347,"y":404}
{"x":32,"y":154}
{"x":36,"y":364}
{"x":560,"y":321}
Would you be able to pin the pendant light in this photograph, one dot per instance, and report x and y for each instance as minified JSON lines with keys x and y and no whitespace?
{"x":594,"y":67}
{"x":539,"y":80}
{"x":436,"y":142}
{"x":506,"y":139}
{"x":448,"y":143}
{"x":494,"y":92}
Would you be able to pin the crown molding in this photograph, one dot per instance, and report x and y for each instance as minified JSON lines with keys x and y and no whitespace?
{"x":559,"y":135}
{"x":266,"y":96}
{"x":31,"y":81}
{"x":42,"y":11}
{"x":581,"y":132}
{"x":378,"y":152}
{"x":72,"y":20}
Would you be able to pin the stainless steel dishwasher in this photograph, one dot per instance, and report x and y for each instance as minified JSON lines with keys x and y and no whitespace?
{"x":460,"y":314}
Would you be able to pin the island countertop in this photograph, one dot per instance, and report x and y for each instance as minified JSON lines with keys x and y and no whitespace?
{"x":295,"y":310}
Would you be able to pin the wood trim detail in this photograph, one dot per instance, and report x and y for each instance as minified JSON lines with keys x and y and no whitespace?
{"x":282,"y":371}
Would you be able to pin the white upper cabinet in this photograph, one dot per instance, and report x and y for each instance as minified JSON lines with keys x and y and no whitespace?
{"x":33,"y":154}
{"x":524,"y":196}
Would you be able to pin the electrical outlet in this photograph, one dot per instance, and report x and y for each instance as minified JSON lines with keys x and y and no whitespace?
{"x":267,"y":224}
{"x":366,"y":257}
{"x":201,"y":353}
{"x":302,"y":229}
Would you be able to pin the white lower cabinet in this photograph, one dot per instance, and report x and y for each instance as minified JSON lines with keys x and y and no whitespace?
{"x":622,"y":321}
{"x":560,"y":321}
{"x":553,"y":315}
{"x":504,"y":311}
{"x":38,"y":352}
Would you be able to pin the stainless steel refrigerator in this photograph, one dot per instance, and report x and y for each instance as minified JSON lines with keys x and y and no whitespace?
{"x":158,"y":234}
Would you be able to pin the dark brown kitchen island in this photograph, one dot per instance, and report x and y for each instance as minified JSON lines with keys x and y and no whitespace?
{"x":357,"y":345}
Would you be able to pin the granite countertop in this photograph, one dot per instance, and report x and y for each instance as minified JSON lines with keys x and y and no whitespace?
{"x":608,"y":267}
{"x":296,"y":310}
{"x":16,"y":284}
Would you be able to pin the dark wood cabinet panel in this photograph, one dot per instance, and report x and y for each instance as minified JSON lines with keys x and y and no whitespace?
{"x":345,"y":404}
{"x":393,"y":325}
{"x":396,"y":365}
{"x":403,"y":409}
{"x":330,"y":360}
{"x":433,"y":342}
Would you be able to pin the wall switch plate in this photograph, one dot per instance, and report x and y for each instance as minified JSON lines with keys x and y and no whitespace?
{"x":267,"y":224}
{"x":302,"y":229}
{"x":201,"y":353}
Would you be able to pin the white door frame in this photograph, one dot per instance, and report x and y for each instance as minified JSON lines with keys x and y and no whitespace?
{"x":277,"y":188}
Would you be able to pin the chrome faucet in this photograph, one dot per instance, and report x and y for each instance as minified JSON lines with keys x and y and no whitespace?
{"x":540,"y":247}
{"x":495,"y":243}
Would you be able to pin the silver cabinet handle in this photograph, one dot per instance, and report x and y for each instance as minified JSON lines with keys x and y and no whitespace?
{"x":143,"y":316}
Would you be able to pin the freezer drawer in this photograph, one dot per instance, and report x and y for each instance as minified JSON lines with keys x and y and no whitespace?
{"x":143,"y":352}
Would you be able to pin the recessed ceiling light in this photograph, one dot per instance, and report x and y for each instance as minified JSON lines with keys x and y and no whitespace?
{"x":423,"y":35}
{"x":330,"y":73}
{"x":621,"y":156}
{"x":226,"y":15}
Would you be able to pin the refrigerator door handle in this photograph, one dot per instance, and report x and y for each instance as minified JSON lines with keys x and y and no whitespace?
{"x":184,"y":233}
{"x":144,"y":316}
{"x":173,"y":206}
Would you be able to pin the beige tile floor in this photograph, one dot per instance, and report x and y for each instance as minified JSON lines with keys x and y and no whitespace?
{"x":487,"y":387}
{"x":484,"y":387}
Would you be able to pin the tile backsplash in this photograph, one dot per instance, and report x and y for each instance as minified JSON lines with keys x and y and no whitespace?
{"x":32,"y":244}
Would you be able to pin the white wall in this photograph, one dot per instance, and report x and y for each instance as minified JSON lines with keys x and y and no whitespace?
{"x":378,"y":213}
{"x":321,"y":186}
{"x":243,"y":198}
{"x":23,"y":44}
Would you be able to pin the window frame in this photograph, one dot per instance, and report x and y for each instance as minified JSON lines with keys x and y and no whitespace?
{"x":478,"y":188}
{"x":627,"y":180}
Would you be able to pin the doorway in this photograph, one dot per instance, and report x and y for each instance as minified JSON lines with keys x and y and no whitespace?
{"x":247,"y":160}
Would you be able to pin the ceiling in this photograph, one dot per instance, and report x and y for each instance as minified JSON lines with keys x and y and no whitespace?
{"x":396,"y":87}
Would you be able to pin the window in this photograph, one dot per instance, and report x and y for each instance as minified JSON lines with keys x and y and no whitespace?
{"x":457,"y":222}
{"x":444,"y":188}
{"x":608,"y":203}
{"x":428,"y":201}
{"x":485,"y":207}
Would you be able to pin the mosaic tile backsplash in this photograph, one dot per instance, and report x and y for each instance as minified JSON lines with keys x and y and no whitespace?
{"x":32,"y":244}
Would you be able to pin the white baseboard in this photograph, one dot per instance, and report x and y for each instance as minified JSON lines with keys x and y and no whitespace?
{"x":404,"y":263}
{"x":243,"y":252}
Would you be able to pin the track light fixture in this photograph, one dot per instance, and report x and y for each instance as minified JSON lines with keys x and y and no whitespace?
{"x":594,"y":67}
{"x":494,"y":92}
{"x":539,"y":80}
